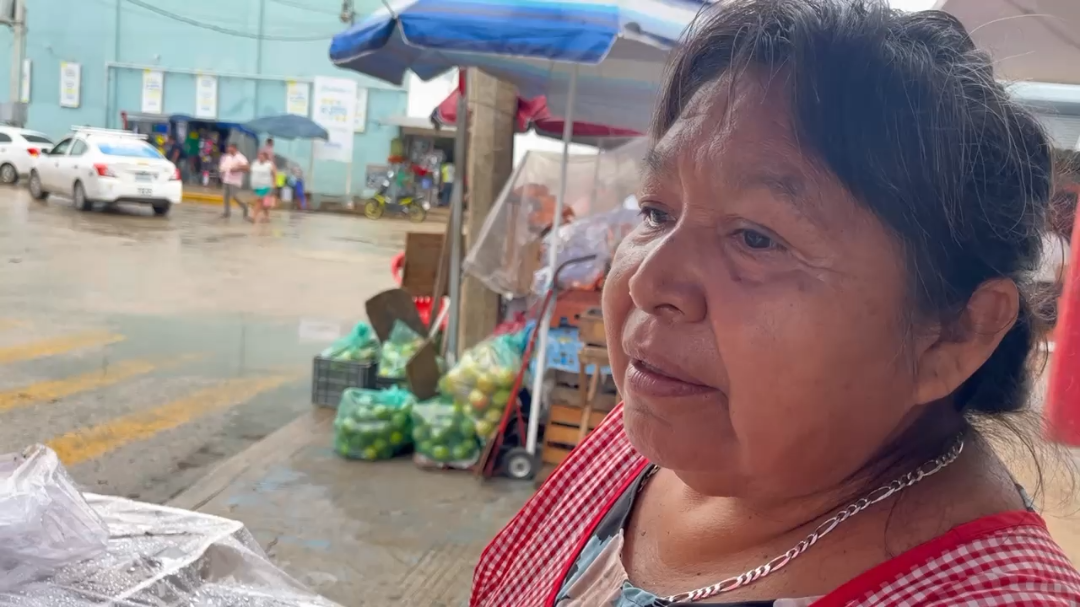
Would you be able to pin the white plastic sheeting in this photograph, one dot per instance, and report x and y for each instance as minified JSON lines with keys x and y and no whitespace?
{"x":93,"y":550}
{"x":503,"y":256}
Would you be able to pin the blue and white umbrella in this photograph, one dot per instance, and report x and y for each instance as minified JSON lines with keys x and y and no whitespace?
{"x":597,"y":61}
{"x":617,"y":48}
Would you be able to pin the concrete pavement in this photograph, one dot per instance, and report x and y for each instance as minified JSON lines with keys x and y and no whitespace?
{"x":144,"y":350}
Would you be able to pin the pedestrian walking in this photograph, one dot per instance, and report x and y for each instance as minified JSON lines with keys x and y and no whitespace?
{"x":232,"y":167}
{"x":823,"y":420}
{"x":263,"y":178}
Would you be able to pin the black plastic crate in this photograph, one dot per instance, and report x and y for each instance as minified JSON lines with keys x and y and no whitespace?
{"x":330,"y":378}
{"x":384,"y":383}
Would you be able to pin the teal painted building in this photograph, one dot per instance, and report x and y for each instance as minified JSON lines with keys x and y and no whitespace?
{"x":254,"y":48}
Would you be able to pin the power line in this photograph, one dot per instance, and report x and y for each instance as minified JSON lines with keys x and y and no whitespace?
{"x":225,"y":30}
{"x":308,"y":7}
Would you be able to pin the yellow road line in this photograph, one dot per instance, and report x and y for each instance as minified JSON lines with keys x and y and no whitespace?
{"x":57,"y":345}
{"x":11,"y":323}
{"x":89,"y":443}
{"x":94,"y":380}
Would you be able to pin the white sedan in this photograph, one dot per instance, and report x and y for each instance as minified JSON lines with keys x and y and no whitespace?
{"x":18,"y":148}
{"x":107,"y":166}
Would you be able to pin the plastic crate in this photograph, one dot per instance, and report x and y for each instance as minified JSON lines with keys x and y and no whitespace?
{"x":330,"y":378}
{"x":562,"y":352}
{"x":385,"y":383}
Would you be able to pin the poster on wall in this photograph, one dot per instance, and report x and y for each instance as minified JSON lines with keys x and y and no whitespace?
{"x":70,"y":84}
{"x":153,"y":92}
{"x":335,"y":111}
{"x":298,"y":99}
{"x":24,"y":89}
{"x":360,"y":124}
{"x":205,"y":96}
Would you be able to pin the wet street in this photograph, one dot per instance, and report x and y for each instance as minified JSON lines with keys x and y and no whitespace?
{"x":144,"y":350}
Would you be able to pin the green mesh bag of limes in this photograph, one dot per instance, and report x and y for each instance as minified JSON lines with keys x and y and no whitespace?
{"x":374,"y":425}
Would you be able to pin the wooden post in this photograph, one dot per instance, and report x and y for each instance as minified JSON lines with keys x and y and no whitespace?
{"x":492,"y":109}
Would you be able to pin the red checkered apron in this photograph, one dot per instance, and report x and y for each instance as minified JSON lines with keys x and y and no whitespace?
{"x":1002,"y":560}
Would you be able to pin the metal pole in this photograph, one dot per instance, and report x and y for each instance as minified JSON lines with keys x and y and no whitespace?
{"x":309,"y":179}
{"x":553,"y":261}
{"x":18,"y":47}
{"x":457,"y":204}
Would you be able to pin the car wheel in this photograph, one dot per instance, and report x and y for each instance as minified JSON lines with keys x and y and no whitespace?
{"x":79,"y":197}
{"x":161,"y":209}
{"x":36,"y":191}
{"x":8,"y":174}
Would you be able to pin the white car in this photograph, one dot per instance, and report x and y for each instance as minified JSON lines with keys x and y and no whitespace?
{"x":107,"y":166}
{"x":18,"y":148}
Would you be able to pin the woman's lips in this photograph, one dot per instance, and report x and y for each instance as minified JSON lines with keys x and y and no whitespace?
{"x":646,"y":380}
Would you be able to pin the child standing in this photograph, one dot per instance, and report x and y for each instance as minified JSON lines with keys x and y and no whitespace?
{"x":263,"y":180}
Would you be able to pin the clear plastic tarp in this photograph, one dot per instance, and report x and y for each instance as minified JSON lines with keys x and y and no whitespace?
{"x":507,"y":252}
{"x":151,"y":556}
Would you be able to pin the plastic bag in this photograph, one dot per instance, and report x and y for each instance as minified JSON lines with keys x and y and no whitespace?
{"x":598,"y":235}
{"x":398,"y":350}
{"x":45,"y":523}
{"x":444,"y":435}
{"x":360,"y":345}
{"x":373,"y":425}
{"x":481,"y":381}
{"x":158,"y":556}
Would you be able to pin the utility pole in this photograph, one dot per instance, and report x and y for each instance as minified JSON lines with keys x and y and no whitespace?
{"x":18,"y":49}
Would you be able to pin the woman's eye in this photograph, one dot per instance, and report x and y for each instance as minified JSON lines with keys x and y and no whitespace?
{"x":655,"y":218}
{"x":756,"y":240}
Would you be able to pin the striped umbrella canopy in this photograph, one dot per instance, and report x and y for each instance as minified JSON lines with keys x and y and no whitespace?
{"x":616,"y":48}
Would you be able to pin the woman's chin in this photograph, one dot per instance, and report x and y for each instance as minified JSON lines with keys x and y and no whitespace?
{"x":686,"y":443}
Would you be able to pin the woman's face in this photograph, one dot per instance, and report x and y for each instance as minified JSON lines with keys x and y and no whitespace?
{"x":757,"y":316}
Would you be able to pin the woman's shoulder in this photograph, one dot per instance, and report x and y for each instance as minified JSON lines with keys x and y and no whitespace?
{"x":998,"y":560}
{"x":529,"y":557}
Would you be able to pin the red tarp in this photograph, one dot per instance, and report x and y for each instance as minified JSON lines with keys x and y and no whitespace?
{"x":533,"y":114}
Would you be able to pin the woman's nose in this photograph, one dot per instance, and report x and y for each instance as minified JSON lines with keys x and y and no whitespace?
{"x":666,"y":282}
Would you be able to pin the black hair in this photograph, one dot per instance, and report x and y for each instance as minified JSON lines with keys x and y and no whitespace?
{"x":906,"y":113}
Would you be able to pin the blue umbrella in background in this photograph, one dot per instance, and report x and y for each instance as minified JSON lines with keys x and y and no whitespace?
{"x":288,"y":126}
{"x":598,"y":61}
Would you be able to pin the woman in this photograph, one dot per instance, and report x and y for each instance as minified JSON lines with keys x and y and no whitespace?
{"x":841,"y":211}
{"x":263,"y":178}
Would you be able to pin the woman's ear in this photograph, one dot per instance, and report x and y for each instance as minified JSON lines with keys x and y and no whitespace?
{"x":960,"y":350}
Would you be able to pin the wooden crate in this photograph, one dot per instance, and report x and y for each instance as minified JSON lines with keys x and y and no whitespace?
{"x":423,"y":254}
{"x":563,"y":431}
{"x":591,"y":328}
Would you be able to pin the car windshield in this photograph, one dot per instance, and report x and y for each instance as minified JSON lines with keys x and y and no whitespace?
{"x":128,"y":149}
{"x":36,"y":139}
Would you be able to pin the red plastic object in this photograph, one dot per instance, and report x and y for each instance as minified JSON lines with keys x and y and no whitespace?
{"x":1062,"y":407}
{"x":423,"y":304}
{"x":534,"y":114}
{"x":397,"y":264}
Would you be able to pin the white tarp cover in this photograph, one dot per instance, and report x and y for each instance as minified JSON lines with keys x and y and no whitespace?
{"x":504,"y":254}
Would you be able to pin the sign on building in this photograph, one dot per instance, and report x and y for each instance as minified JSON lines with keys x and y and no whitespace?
{"x":335,"y":111}
{"x":153,"y":92}
{"x":70,"y":84}
{"x":206,"y":97}
{"x":24,"y":92}
{"x":298,"y":99}
{"x":361,"y":110}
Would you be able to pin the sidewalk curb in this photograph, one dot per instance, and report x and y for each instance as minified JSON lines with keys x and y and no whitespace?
{"x":200,"y":198}
{"x":274,"y":449}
